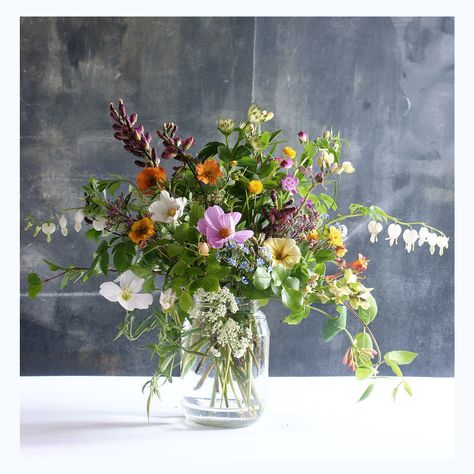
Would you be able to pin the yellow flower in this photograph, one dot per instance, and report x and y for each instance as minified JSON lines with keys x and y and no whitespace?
{"x":335,"y":237}
{"x":312,"y":235}
{"x":341,"y":251}
{"x":284,"y":251}
{"x":288,"y":151}
{"x":255,"y":186}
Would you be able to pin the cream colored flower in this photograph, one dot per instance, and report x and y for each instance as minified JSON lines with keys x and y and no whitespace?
{"x":325,"y":160}
{"x":346,"y":167}
{"x":284,"y":251}
{"x":167,"y":208}
{"x":48,"y":228}
{"x":394,"y":231}
{"x":63,"y":225}
{"x":374,"y":229}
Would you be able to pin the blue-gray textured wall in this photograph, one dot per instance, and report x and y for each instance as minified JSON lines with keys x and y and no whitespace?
{"x":386,"y":83}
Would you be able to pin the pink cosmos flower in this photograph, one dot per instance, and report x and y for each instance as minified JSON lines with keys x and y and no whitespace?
{"x":289,"y":183}
{"x":219,"y":227}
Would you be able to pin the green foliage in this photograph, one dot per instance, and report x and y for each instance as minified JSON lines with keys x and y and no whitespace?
{"x":400,"y":357}
{"x":34,"y":285}
{"x":261,"y":279}
{"x":292,"y":299}
{"x":368,"y":315}
{"x":367,"y":392}
{"x":335,"y":325}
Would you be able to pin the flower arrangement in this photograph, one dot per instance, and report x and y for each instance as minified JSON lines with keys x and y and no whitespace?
{"x":243,"y":218}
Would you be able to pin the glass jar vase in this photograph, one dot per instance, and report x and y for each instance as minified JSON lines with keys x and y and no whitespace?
{"x":224,"y":364}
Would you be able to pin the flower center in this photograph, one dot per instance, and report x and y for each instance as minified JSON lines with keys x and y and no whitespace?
{"x":224,"y":232}
{"x":172,"y":212}
{"x":126,"y":294}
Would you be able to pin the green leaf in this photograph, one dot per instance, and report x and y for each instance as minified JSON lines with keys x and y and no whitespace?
{"x":395,"y":368}
{"x":174,"y":249}
{"x":400,"y":357}
{"x":333,"y":326}
{"x":93,"y":234}
{"x":196,"y":212}
{"x":104,"y":263}
{"x":224,"y":154}
{"x":52,"y":266}
{"x":210,"y":149}
{"x":209,"y":283}
{"x":297,"y":317}
{"x":139,"y":271}
{"x":261,"y":279}
{"x":292,"y":299}
{"x":149,"y":285}
{"x":363,"y":372}
{"x":407,"y":388}
{"x":368,"y":315}
{"x":363,"y":340}
{"x":279,"y":273}
{"x":185,"y":301}
{"x":324,"y":255}
{"x":291,"y":282}
{"x":34,"y":285}
{"x":367,"y":392}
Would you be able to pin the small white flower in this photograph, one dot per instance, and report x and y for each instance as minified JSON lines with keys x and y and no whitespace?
{"x":374,"y":229}
{"x":432,"y":241}
{"x":442,"y":242}
{"x":99,"y":223}
{"x":167,"y":299}
{"x":127,"y":294}
{"x":410,"y":236}
{"x":394,"y":231}
{"x":325,"y":160}
{"x":343,"y":230}
{"x":423,"y":235}
{"x":48,"y":228}
{"x":167,"y":209}
{"x":63,"y":225}
{"x":78,"y":218}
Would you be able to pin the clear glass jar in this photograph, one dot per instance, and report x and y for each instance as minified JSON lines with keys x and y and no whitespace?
{"x":222,"y":386}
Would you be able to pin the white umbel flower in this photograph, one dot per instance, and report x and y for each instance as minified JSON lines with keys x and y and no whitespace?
{"x":374,"y":229}
{"x":128,"y":293}
{"x":410,"y":237}
{"x":63,"y":225}
{"x":394,"y":231}
{"x":167,"y":208}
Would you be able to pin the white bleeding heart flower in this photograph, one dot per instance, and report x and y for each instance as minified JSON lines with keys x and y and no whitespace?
{"x":78,"y":218}
{"x":167,"y":208}
{"x":423,"y":234}
{"x":410,"y":237}
{"x":374,"y":229}
{"x":99,"y":223}
{"x":48,"y":228}
{"x":167,"y":299}
{"x":128,"y":293}
{"x":442,"y":242}
{"x":394,"y":231}
{"x":432,"y":241}
{"x":63,"y":225}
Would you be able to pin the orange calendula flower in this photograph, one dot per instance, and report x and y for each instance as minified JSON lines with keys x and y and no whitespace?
{"x":312,"y":235}
{"x":150,"y":180}
{"x":360,"y":264}
{"x":142,"y":230}
{"x":208,"y":172}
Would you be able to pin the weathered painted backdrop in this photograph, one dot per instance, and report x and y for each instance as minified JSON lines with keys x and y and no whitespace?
{"x":385,"y":83}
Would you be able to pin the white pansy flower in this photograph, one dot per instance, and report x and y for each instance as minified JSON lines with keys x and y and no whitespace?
{"x":78,"y":218}
{"x":128,"y":293}
{"x":423,"y":234}
{"x":432,"y":241}
{"x":99,"y":223}
{"x":374,"y":229}
{"x":167,"y":299}
{"x":394,"y":231}
{"x":63,"y":225}
{"x":48,"y":228}
{"x":167,"y":208}
{"x":442,"y":242}
{"x":410,"y":236}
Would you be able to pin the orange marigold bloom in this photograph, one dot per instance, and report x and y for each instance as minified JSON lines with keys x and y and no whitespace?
{"x":208,"y":172}
{"x":360,"y":264}
{"x":150,"y":180}
{"x":142,"y":230}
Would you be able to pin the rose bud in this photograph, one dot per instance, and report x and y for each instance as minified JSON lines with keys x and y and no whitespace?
{"x":203,"y":249}
{"x":303,"y":137}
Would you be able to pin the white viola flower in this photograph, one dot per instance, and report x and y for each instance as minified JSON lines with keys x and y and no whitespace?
{"x":167,"y":299}
{"x":99,"y":223}
{"x":63,"y":225}
{"x":374,"y":229}
{"x":442,"y":242}
{"x":423,"y":234}
{"x":432,"y":241}
{"x":167,"y":208}
{"x":78,"y":218}
{"x":128,"y":293}
{"x":394,"y":231}
{"x":48,"y":228}
{"x":410,"y":237}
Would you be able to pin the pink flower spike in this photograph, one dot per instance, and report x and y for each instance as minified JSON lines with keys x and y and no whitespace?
{"x":219,"y":227}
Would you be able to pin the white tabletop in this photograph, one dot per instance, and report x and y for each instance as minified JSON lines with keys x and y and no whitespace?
{"x":71,"y":418}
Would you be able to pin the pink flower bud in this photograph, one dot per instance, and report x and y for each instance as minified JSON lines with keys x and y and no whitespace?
{"x":303,"y":137}
{"x":188,"y":143}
